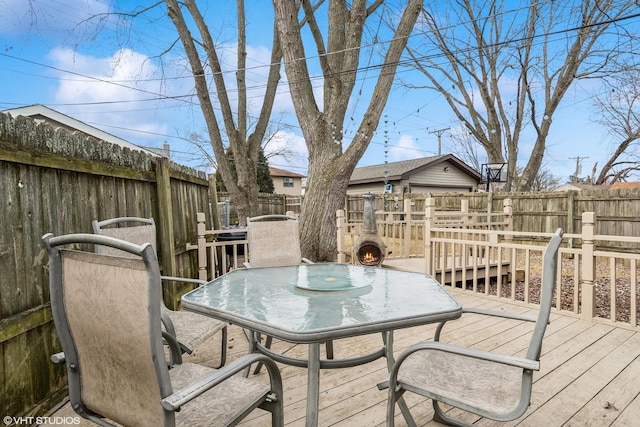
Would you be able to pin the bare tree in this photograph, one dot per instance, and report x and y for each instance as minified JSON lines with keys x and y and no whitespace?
{"x":466,"y":148}
{"x":338,"y":53}
{"x":243,"y":140}
{"x":543,"y":181}
{"x":501,"y":70}
{"x":619,"y":112}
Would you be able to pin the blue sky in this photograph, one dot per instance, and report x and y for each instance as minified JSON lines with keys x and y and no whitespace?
{"x":111,"y":79}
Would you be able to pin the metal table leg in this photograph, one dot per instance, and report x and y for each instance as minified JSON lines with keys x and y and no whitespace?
{"x":313,"y":386}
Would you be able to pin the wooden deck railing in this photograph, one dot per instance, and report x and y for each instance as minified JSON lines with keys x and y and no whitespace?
{"x":479,"y":252}
{"x":216,"y":256}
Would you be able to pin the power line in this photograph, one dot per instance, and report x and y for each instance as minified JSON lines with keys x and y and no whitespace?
{"x":188,"y":98}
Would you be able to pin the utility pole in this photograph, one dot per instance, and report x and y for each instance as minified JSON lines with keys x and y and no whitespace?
{"x":439,"y":133}
{"x":578,"y":166}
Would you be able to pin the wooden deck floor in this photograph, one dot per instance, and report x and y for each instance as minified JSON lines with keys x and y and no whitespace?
{"x":589,"y":372}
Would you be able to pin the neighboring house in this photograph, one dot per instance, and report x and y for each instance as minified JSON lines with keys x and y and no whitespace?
{"x":624,"y":185}
{"x":436,"y":174}
{"x":285,"y":182}
{"x":578,"y":186}
{"x":42,"y":114}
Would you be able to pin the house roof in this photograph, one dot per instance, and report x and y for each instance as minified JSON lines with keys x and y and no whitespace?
{"x":581,"y":186}
{"x":624,"y":185}
{"x":281,"y":172}
{"x":40,"y":112}
{"x":402,"y":170}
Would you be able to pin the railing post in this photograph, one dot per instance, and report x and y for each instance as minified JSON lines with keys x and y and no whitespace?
{"x":588,"y":265}
{"x":202,"y":246}
{"x":340,"y":220}
{"x":464,"y":208}
{"x":507,"y":208}
{"x":429,"y":217}
{"x":407,"y":227}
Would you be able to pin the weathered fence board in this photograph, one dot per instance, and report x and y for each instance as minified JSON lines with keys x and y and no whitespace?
{"x":55,"y":181}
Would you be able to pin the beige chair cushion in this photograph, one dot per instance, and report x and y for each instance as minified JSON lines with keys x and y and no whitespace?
{"x":221,"y":404}
{"x":479,"y":383}
{"x":138,"y":234}
{"x":192,"y":329}
{"x":274,"y":243}
{"x":92,"y":285}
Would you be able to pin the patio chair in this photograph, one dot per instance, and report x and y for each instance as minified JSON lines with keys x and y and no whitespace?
{"x":106,"y":311}
{"x":492,"y":385}
{"x":190,"y":329}
{"x":274,"y":240}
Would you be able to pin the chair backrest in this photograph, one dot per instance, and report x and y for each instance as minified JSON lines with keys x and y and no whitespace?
{"x":549,"y":278}
{"x":123,"y":228}
{"x":274,"y":240}
{"x":107,"y":313}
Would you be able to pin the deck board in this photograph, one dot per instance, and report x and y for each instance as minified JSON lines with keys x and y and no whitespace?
{"x":583,"y":366}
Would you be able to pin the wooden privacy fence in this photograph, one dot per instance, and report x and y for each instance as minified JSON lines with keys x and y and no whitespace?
{"x":217,"y":254}
{"x":404,"y":231}
{"x":55,"y":181}
{"x":482,"y":253}
{"x":618,"y":211}
{"x":268,"y":204}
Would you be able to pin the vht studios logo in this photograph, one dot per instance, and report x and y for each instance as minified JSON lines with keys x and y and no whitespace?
{"x":8,"y":420}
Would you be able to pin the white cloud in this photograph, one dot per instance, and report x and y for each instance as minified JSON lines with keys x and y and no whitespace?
{"x":126,"y":78}
{"x":405,"y":149}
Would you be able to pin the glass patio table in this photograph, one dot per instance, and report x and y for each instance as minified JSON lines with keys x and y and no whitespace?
{"x":313,"y":303}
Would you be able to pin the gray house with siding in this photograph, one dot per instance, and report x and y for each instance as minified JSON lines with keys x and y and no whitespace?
{"x":435,"y":174}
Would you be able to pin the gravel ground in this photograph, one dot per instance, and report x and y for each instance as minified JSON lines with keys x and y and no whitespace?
{"x":602,"y":287}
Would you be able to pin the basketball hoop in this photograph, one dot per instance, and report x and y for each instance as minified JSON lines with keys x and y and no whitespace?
{"x":494,"y":172}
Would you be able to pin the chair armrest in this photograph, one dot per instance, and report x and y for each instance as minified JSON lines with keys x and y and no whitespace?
{"x":503,"y":314}
{"x":167,"y":323}
{"x":198,"y":282}
{"x":502,"y":359}
{"x":171,"y":330}
{"x":180,"y":397}
{"x":58,"y":358}
{"x":307,"y":261}
{"x":175,"y":355}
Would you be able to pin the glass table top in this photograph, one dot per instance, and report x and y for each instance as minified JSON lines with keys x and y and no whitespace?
{"x":323,"y":300}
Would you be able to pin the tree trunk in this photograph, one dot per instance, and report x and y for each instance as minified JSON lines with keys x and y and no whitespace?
{"x":244,"y":142}
{"x":330,"y":168}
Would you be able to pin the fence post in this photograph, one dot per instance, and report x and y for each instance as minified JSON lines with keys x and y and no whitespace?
{"x":213,"y":205}
{"x":588,"y":265}
{"x":165,"y":228}
{"x":202,"y":246}
{"x":429,"y":216}
{"x":340,"y":219}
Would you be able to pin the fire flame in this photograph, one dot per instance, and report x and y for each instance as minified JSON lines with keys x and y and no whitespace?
{"x":369,"y":257}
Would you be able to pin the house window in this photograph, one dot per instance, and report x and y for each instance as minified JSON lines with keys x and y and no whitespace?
{"x":287,"y":181}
